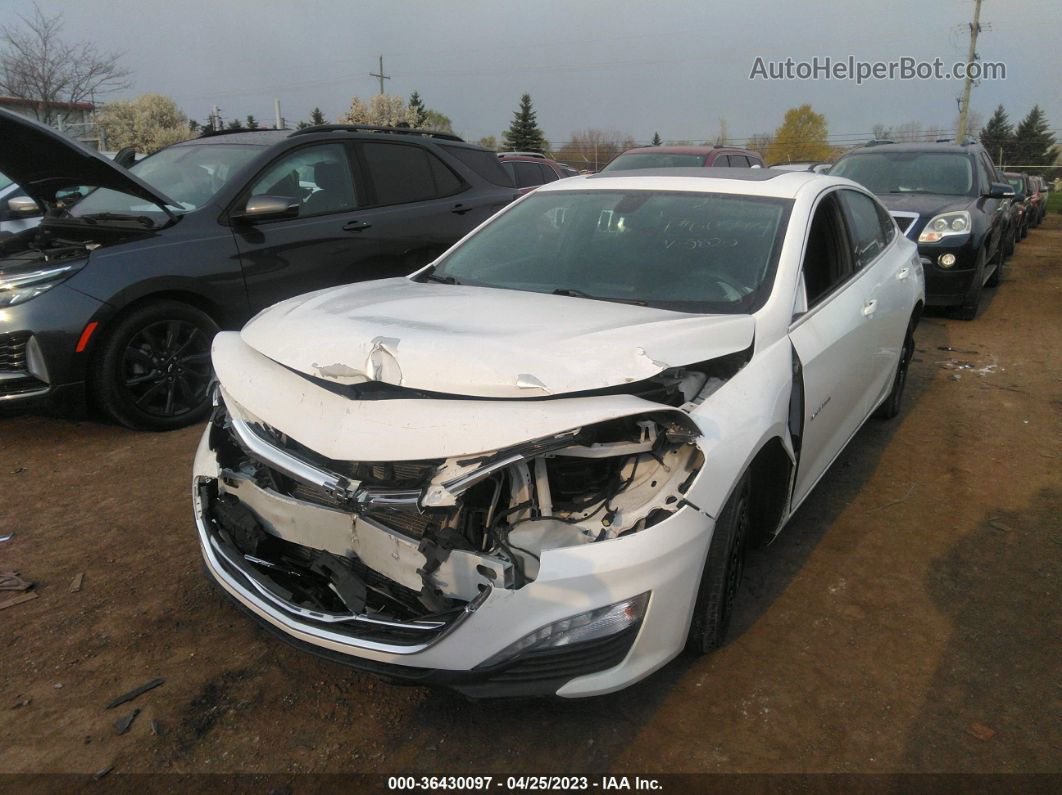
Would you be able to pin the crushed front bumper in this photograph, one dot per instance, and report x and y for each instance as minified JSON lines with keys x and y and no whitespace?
{"x":664,"y":560}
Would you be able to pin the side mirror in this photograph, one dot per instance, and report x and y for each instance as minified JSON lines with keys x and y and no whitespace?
{"x":1000,"y":190}
{"x":267,"y":208}
{"x":23,"y":205}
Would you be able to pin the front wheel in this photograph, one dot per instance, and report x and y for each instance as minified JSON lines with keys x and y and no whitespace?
{"x":722,"y":572}
{"x":153,"y":371}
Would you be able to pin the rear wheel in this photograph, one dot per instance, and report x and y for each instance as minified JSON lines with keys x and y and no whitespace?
{"x":722,"y":572}
{"x":891,"y":407}
{"x":153,"y":370}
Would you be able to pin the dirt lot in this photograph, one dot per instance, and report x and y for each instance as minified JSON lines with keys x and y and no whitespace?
{"x":914,"y":596}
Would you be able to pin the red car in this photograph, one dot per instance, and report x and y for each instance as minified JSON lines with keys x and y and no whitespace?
{"x":684,"y":157}
{"x":531,"y":169}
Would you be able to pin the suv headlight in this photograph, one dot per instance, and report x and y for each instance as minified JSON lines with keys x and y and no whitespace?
{"x":594,"y":624}
{"x":946,"y":225}
{"x":20,"y":287}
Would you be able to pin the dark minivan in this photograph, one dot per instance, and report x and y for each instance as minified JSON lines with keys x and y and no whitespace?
{"x":118,"y":292}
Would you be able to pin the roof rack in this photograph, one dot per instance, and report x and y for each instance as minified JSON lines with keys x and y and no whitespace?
{"x":368,"y":128}
{"x":522,"y":154}
{"x":210,"y":133}
{"x":879,"y":142}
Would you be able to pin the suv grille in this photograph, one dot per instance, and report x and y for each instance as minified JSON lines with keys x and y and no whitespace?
{"x":13,"y":351}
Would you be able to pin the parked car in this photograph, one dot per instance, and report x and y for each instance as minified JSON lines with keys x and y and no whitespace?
{"x":528,"y":170}
{"x":949,"y":199}
{"x":1037,"y":199}
{"x":684,"y":157}
{"x":119,"y":295}
{"x":1021,"y":201}
{"x":815,"y":166}
{"x":17,"y":210}
{"x":534,"y":467}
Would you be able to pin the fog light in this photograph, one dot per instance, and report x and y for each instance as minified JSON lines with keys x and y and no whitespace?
{"x":594,"y":624}
{"x":946,"y":260}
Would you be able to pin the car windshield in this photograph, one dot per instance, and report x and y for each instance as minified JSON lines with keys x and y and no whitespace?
{"x":948,"y":173}
{"x":190,"y":175}
{"x":634,"y":160}
{"x":688,"y":252}
{"x":4,"y":180}
{"x":1017,"y":183}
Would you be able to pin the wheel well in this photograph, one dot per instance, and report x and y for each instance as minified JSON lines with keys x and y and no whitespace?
{"x":771,"y":471}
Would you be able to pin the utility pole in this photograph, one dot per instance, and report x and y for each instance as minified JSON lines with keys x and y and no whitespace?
{"x":278,"y":120}
{"x":215,"y":118}
{"x":383,"y":77}
{"x":964,"y":107}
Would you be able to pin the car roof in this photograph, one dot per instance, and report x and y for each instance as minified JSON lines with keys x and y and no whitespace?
{"x":253,"y":137}
{"x":741,"y":181}
{"x":916,"y":147}
{"x":682,"y":150}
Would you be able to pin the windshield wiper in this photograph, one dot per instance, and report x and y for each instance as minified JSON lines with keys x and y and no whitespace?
{"x":93,"y":218}
{"x":431,"y":277}
{"x":572,"y":292}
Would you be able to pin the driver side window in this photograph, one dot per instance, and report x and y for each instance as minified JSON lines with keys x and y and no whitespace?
{"x":318,"y":176}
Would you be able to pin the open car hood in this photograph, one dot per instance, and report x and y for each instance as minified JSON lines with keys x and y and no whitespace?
{"x":484,"y":342}
{"x":43,"y":161}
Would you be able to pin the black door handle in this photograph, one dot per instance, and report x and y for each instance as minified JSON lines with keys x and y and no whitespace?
{"x":460,"y":209}
{"x":356,"y":226}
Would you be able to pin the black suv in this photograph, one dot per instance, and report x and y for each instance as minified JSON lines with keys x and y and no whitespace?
{"x":951,"y":200}
{"x":117,"y":294}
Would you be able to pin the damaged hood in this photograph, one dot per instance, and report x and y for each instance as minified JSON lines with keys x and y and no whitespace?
{"x":43,"y":161}
{"x":484,"y":342}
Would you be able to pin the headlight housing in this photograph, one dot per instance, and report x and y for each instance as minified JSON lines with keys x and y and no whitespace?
{"x":591,"y":625}
{"x":18,"y":288}
{"x":946,"y":225}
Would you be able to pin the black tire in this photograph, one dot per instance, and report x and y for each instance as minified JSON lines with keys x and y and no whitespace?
{"x":1012,"y":242}
{"x":152,"y":371}
{"x":997,"y":266}
{"x":891,"y":406}
{"x":968,"y":309}
{"x":722,"y":572}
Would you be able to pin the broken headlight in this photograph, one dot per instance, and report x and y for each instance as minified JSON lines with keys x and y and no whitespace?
{"x":592,"y":625}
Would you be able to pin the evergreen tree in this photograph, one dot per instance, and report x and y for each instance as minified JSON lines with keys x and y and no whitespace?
{"x":193,"y":126}
{"x":1034,"y":145}
{"x":417,"y":112}
{"x":998,"y":137}
{"x":252,"y":122}
{"x":656,"y":139}
{"x":235,"y":124}
{"x":524,"y":134}
{"x":316,"y":118}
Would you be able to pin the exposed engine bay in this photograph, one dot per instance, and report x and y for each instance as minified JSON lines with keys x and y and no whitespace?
{"x":418,"y":540}
{"x":56,"y":242}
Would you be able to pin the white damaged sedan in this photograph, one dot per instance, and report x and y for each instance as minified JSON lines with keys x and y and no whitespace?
{"x":534,"y":467}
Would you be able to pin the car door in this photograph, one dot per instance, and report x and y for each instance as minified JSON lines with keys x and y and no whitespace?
{"x":319,"y":248}
{"x":831,"y":342}
{"x":884,"y":269}
{"x":417,"y":207}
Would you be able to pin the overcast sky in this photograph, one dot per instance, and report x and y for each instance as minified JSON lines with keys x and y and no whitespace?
{"x":632,"y":66}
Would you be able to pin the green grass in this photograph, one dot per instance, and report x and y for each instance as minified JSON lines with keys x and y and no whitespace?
{"x":1054,"y":202}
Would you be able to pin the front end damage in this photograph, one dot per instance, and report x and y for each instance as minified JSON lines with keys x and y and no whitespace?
{"x":527,"y":569}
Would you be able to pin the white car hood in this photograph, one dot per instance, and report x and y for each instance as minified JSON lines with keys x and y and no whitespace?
{"x":484,"y":342}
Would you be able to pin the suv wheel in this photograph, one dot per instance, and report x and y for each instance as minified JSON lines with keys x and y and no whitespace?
{"x":153,"y":371}
{"x":968,"y":310}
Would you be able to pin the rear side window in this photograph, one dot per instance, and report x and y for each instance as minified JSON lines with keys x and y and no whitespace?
{"x":401,"y":173}
{"x":739,"y":160}
{"x":548,"y":174}
{"x":868,"y":236}
{"x":482,"y":162}
{"x":755,"y":161}
{"x":527,"y":174}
